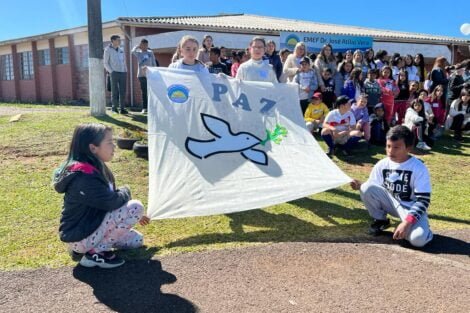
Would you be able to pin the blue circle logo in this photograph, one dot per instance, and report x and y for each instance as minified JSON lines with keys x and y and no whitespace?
{"x":291,"y":41}
{"x":178,"y":93}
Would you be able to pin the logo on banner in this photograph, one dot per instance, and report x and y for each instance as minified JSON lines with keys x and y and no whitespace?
{"x":291,"y":41}
{"x":226,"y":141}
{"x":178,"y":93}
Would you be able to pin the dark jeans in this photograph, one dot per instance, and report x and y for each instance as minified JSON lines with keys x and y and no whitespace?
{"x":457,"y":125}
{"x":377,"y":133}
{"x":304,"y":105}
{"x":118,"y":89}
{"x":143,"y":87}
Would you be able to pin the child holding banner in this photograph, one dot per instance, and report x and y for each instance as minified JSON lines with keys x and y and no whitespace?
{"x":256,"y":69}
{"x":188,"y":49}
{"x":96,"y":215}
{"x":399,"y":185}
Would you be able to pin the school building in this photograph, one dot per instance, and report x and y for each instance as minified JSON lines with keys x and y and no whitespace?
{"x":53,"y":67}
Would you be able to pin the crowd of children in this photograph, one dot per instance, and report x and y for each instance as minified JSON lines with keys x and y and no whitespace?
{"x":387,"y":84}
{"x":98,"y":217}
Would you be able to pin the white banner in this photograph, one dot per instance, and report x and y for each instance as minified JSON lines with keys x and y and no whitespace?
{"x":219,"y":145}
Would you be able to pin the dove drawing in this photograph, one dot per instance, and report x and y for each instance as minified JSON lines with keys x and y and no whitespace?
{"x":225,"y":141}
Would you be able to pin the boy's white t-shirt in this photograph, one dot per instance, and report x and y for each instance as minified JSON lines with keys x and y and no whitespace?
{"x":340,"y":121}
{"x":402,"y":180}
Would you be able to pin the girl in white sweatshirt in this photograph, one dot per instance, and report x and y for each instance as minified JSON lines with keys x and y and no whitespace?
{"x":459,"y":114}
{"x":415,"y":120}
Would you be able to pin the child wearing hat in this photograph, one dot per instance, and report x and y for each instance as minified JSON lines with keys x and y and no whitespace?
{"x":316,"y":113}
{"x":306,"y":78}
{"x":339,"y":127}
{"x":378,"y":125}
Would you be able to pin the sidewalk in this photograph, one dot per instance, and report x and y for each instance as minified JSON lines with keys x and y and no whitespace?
{"x":285,"y":277}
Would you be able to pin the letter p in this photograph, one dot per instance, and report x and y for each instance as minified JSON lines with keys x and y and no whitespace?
{"x":219,"y":89}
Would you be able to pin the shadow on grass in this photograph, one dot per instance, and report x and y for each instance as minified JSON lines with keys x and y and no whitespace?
{"x":448,"y":219}
{"x":134,"y":287}
{"x":288,"y":228}
{"x":346,"y":194}
{"x":446,"y":145}
{"x":361,"y":154}
{"x":110,"y":119}
{"x":285,"y":227}
{"x":139,"y":118}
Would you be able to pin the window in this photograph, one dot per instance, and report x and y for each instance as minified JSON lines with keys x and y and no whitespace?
{"x":6,"y":67}
{"x":44,"y":57}
{"x":82,"y":56}
{"x":62,"y":55}
{"x":26,"y":65}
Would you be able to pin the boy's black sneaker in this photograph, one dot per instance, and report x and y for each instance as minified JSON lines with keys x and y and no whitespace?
{"x":103,"y":260}
{"x":378,"y":226}
{"x":458,"y":138}
{"x":331,"y":152}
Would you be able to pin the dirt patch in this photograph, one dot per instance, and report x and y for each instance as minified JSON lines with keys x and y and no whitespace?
{"x":6,"y":110}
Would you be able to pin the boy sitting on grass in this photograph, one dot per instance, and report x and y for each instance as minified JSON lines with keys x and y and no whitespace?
{"x":339,"y":128}
{"x":399,"y":185}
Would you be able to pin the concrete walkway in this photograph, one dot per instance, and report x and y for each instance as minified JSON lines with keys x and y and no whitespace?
{"x":285,"y":277}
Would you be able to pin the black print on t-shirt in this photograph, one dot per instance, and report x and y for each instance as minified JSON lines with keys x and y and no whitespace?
{"x":397,"y":182}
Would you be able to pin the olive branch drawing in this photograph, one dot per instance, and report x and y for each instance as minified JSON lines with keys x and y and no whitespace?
{"x":275,"y":136}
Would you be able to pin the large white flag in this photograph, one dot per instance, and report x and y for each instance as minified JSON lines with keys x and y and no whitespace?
{"x":219,"y":145}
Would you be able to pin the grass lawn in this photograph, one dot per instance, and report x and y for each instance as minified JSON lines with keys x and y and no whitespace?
{"x":30,"y":209}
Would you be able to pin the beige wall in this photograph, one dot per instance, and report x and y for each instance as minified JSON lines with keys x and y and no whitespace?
{"x":82,"y":38}
{"x":108,"y":32}
{"x":5,"y":50}
{"x":61,"y":42}
{"x":42,"y":44}
{"x":22,"y":47}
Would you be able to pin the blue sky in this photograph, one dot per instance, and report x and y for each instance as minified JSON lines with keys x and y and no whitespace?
{"x":21,"y":18}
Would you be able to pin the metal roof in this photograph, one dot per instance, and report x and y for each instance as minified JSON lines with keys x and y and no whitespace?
{"x":54,"y":34}
{"x":269,"y":25}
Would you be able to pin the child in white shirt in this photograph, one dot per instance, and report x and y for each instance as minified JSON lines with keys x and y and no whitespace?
{"x":399,"y":185}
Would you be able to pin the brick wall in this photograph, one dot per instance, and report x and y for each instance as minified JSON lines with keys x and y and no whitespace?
{"x":8,"y":90}
{"x":45,"y":84}
{"x":27,"y":90}
{"x":64,"y":82}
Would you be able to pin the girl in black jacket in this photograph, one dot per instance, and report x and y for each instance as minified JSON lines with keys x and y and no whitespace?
{"x":96,"y":216}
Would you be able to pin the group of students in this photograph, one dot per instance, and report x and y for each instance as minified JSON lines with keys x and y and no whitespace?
{"x":383,"y":91}
{"x":367,"y":96}
{"x":98,"y":217}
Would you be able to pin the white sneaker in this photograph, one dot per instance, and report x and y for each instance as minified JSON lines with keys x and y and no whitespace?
{"x":423,"y":146}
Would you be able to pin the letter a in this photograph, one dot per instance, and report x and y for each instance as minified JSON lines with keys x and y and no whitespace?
{"x":243,"y":102}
